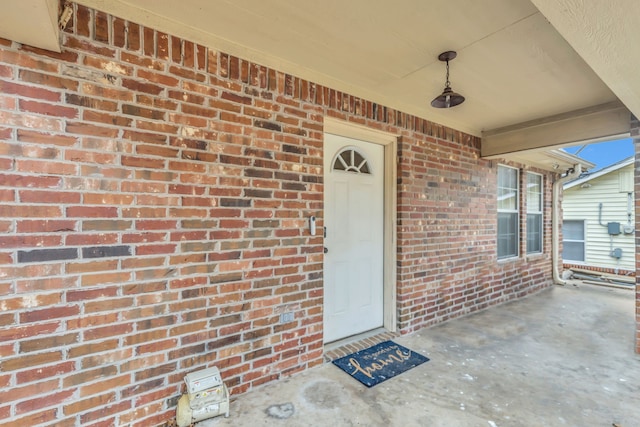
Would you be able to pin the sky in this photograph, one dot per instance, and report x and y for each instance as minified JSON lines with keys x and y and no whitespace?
{"x":604,"y":154}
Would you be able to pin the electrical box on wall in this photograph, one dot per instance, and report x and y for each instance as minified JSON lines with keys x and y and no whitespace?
{"x":613,"y":228}
{"x":616,"y":253}
{"x":207,"y":396}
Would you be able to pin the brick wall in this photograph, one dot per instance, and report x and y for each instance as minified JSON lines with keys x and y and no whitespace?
{"x":153,"y":222}
{"x":447,"y":233}
{"x":605,"y":270}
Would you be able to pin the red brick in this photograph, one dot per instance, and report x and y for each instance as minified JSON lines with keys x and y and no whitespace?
{"x":106,"y":118}
{"x":6,"y":164}
{"x":42,"y":373}
{"x":5,"y":132}
{"x":95,"y":266}
{"x":29,"y":91}
{"x":6,"y":226}
{"x":31,"y":121}
{"x":49,"y":313}
{"x":138,"y":86}
{"x":104,"y":278}
{"x":108,"y":410}
{"x":203,"y":55}
{"x":142,"y":162}
{"x":149,"y":42}
{"x":101,"y":27}
{"x":92,"y":212}
{"x":176,"y":49}
{"x":28,"y":211}
{"x":53,"y":81}
{"x":46,"y":138}
{"x":108,"y":331}
{"x":119,"y":32}
{"x":104,"y":385}
{"x":20,"y":302}
{"x":26,"y":391}
{"x":78,"y":156}
{"x":148,"y":150}
{"x":91,"y":294}
{"x":87,"y":46}
{"x":90,"y":239}
{"x":83,"y":21}
{"x":162,"y":45}
{"x":7,"y":319}
{"x":26,"y":60}
{"x":59,"y":197}
{"x":89,"y":403}
{"x":155,"y":77}
{"x":99,"y":91}
{"x":133,"y":36}
{"x":90,"y":348}
{"x":26,"y":361}
{"x":106,"y":359}
{"x":107,"y":199}
{"x":90,"y":129}
{"x":49,"y":167}
{"x":23,"y":331}
{"x":29,"y":241}
{"x":187,"y":73}
{"x":38,"y":418}
{"x":45,"y":401}
{"x":143,"y":262}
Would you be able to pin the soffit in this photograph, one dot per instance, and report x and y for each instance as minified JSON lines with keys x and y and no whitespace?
{"x":549,"y":160}
{"x":32,"y":22}
{"x":605,"y":34}
{"x":512,"y":66}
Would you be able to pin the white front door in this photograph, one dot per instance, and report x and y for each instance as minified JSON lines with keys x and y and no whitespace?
{"x":354,"y":242}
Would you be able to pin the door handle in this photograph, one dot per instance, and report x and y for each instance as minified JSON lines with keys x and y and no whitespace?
{"x":325,"y":250}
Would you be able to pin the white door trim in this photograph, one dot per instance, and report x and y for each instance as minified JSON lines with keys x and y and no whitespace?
{"x":390,"y":143}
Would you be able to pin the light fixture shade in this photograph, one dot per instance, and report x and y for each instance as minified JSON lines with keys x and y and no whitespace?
{"x":448,"y":99}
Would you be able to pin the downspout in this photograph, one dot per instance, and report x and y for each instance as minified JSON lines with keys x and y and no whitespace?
{"x":556,"y":221}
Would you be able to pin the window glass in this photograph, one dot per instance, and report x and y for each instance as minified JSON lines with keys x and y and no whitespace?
{"x":534,"y":233}
{"x":508,"y":224}
{"x":534,"y":213}
{"x":573,"y":245}
{"x":507,"y":188}
{"x":534,"y":192}
{"x":350,"y":160}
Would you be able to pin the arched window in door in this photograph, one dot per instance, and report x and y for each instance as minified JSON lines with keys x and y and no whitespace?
{"x":350,"y":160}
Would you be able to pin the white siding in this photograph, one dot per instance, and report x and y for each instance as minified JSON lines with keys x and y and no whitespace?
{"x":582,"y":204}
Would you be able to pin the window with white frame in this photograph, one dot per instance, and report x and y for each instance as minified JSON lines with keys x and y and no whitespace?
{"x":534,"y":213}
{"x":573,"y":247}
{"x":508,"y":228}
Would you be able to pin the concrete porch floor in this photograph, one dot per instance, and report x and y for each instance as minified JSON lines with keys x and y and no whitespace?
{"x":562,"y":357}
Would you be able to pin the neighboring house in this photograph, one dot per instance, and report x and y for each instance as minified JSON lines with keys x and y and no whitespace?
{"x":599,"y":220}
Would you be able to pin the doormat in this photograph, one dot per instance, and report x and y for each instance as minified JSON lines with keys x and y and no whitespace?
{"x":376,"y":364}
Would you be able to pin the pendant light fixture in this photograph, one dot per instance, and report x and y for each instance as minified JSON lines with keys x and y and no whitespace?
{"x":448,"y":98}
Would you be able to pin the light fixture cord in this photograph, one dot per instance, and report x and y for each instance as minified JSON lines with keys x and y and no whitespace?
{"x":447,"y":83}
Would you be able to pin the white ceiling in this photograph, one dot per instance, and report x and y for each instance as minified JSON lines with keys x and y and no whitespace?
{"x":513,"y":66}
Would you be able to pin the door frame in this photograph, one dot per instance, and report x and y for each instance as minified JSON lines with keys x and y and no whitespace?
{"x":390,"y":143}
